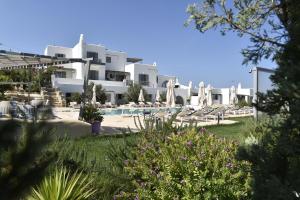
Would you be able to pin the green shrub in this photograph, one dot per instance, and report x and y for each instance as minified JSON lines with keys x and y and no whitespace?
{"x":186,"y":164}
{"x":265,"y":147}
{"x":132,"y":94}
{"x":62,"y":185}
{"x":242,"y":103}
{"x":91,"y":113}
{"x":24,"y":156}
{"x":76,"y":97}
{"x":100,"y":93}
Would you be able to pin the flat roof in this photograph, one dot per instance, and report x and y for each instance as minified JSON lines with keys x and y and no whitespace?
{"x":134,"y":60}
{"x":16,"y":60}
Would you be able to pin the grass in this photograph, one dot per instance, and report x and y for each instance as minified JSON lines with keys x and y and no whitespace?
{"x":91,"y":149}
{"x":94,"y":154}
{"x":97,"y":148}
{"x":231,"y":131}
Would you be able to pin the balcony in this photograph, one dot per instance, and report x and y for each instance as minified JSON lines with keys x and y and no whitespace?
{"x":97,"y":62}
{"x":144,"y":83}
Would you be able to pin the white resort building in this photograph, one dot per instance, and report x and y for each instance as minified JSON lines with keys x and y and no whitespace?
{"x":114,"y":70}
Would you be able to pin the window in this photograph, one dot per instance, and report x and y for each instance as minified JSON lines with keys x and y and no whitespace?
{"x":108,"y":59}
{"x":116,"y":75}
{"x":144,"y":79}
{"x":60,"y":74}
{"x":60,"y":55}
{"x":93,"y":55}
{"x":94,"y":75}
{"x":215,"y":97}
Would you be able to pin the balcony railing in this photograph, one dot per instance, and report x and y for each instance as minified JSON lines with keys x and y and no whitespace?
{"x":144,"y":83}
{"x":97,"y":62}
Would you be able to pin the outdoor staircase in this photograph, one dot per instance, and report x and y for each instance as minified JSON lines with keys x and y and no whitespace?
{"x":55,"y":97}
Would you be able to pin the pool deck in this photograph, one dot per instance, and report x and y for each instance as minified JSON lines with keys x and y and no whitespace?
{"x":115,"y":123}
{"x":66,"y":123}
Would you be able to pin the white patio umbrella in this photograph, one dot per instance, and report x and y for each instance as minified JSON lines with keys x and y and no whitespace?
{"x":170,"y":94}
{"x":201,"y":95}
{"x":190,"y":89}
{"x":94,"y":100}
{"x":141,"y":96}
{"x":233,"y":97}
{"x":209,"y":95}
{"x":5,"y":107}
{"x":157,"y":98}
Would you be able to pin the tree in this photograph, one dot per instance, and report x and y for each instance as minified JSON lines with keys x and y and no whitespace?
{"x":45,"y":76}
{"x":24,"y":157}
{"x":273,"y":27}
{"x":263,"y":21}
{"x":133,"y":93}
{"x":4,"y":88}
{"x":100,"y":93}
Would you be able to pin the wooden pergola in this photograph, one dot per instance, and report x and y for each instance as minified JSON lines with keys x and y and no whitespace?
{"x":10,"y":60}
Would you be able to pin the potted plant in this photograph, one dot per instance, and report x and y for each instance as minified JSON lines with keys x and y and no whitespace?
{"x":94,"y":117}
{"x":96,"y":122}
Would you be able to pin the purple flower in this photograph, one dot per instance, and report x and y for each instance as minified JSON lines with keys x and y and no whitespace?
{"x":136,"y":197}
{"x":202,"y":130}
{"x":183,"y":158}
{"x":126,"y":162}
{"x":229,"y":165}
{"x":189,"y":143}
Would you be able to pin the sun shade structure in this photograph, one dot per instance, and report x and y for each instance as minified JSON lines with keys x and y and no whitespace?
{"x":14,"y":60}
{"x":190,"y":89}
{"x":201,"y":95}
{"x":157,"y":98}
{"x":94,"y":100}
{"x":233,"y":96}
{"x":141,"y":96}
{"x":209,"y":95}
{"x":170,"y":94}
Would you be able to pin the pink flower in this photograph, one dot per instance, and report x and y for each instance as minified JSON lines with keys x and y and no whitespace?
{"x":189,"y":143}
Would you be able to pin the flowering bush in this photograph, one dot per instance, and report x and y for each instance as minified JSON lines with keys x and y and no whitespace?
{"x":188,"y":165}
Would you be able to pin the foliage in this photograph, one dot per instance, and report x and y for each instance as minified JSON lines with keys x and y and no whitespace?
{"x":45,"y":76}
{"x":62,"y":185}
{"x":253,"y":18}
{"x":280,"y":146}
{"x":163,"y":96}
{"x":133,"y":93}
{"x":91,"y":113}
{"x":269,"y":164}
{"x":4,"y":88}
{"x":273,"y":27}
{"x":100,"y":93}
{"x":102,"y":158}
{"x":76,"y":97}
{"x":24,"y":157}
{"x":183,"y":163}
{"x":37,"y":77}
{"x":242,"y":103}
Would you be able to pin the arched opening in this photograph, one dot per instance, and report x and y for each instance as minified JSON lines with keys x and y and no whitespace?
{"x":179,"y":100}
{"x":164,"y":84}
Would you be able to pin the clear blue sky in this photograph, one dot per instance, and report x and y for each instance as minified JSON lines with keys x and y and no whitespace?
{"x":149,"y":29}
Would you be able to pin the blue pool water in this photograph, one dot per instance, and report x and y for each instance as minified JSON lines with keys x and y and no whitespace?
{"x":135,"y":111}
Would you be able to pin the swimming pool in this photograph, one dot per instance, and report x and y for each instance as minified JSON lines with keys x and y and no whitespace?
{"x":136,"y":111}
